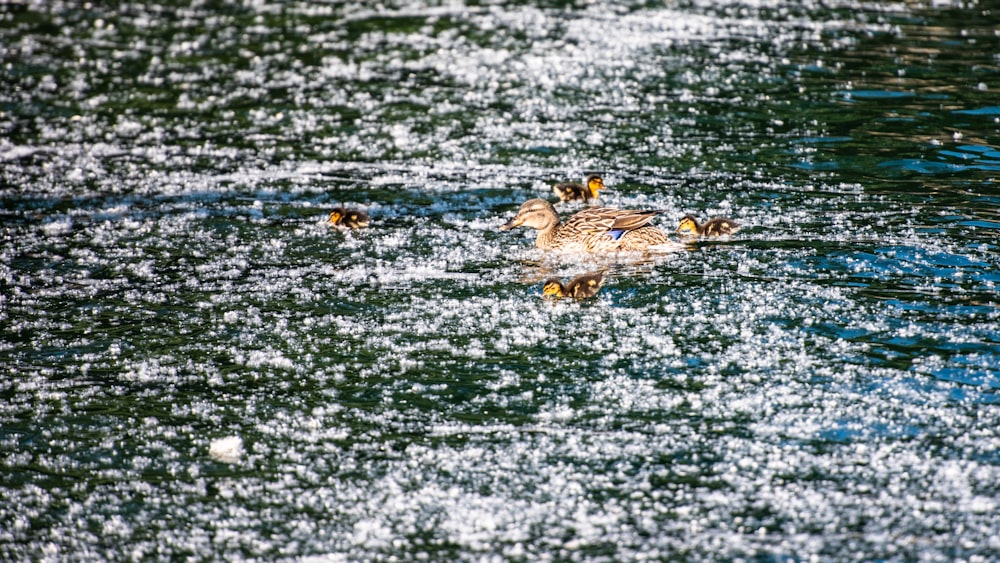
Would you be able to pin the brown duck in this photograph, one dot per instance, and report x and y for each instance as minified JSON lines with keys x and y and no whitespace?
{"x":716,"y":227}
{"x":580,"y":287}
{"x":348,"y":218}
{"x":574,"y":191}
{"x":598,"y":229}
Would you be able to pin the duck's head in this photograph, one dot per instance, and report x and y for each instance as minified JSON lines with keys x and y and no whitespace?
{"x":688,"y":226}
{"x":594,"y":183}
{"x":534,"y":213}
{"x":553,"y":287}
{"x":336,"y":215}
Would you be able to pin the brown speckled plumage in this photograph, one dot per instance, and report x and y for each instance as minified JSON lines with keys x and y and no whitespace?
{"x":598,"y":229}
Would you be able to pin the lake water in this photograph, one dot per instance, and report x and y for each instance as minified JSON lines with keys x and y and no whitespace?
{"x":196,"y":366}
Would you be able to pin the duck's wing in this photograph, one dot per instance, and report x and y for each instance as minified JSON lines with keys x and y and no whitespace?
{"x":608,"y":219}
{"x":593,"y":220}
{"x":628,"y":220}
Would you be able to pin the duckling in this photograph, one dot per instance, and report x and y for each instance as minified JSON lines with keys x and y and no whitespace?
{"x":597,"y":229}
{"x":716,"y":227}
{"x":573,"y":191}
{"x":580,"y":287}
{"x":349,"y":218}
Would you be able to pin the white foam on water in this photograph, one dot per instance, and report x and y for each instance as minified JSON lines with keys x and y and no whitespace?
{"x":226,"y":450}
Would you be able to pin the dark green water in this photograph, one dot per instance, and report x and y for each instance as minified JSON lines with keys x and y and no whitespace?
{"x":823,"y":385}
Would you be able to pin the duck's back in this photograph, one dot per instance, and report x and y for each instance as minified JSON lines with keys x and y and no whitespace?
{"x":642,"y":238}
{"x":571,"y":191}
{"x":720,"y":227}
{"x":606,"y":229}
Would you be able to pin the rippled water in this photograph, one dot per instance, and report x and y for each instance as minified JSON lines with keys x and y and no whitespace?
{"x":196,"y":366}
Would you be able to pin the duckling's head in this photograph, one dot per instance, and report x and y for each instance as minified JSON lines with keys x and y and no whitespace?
{"x":688,"y":226}
{"x":594,"y":183}
{"x":553,"y":287}
{"x":336,"y":215}
{"x":534,"y":213}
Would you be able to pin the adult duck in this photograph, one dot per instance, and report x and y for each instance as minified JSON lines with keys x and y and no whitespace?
{"x":597,"y":230}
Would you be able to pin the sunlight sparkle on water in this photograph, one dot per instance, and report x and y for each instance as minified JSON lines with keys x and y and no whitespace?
{"x":197,"y":364}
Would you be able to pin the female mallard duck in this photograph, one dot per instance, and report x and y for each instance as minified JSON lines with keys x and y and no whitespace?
{"x":349,"y":218}
{"x":573,"y":191}
{"x":712,"y":228}
{"x":580,"y":287}
{"x":598,"y":229}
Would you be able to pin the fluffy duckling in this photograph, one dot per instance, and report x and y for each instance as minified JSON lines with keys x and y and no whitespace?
{"x":580,"y":287}
{"x":348,"y":218}
{"x":573,"y":191}
{"x":597,"y":229}
{"x":716,"y":227}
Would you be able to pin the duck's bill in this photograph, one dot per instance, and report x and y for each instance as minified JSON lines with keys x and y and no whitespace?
{"x":510,"y":224}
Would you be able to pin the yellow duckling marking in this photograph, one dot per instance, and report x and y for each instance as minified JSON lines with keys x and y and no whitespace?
{"x":573,"y":191}
{"x":580,"y":287}
{"x":348,"y":218}
{"x":716,"y":227}
{"x":553,"y":287}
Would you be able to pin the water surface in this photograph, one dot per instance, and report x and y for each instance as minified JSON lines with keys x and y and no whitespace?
{"x":821,"y":385}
